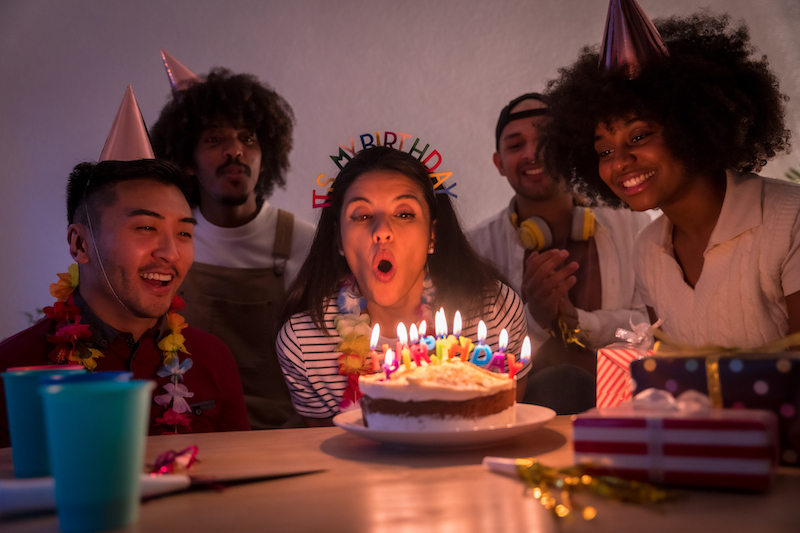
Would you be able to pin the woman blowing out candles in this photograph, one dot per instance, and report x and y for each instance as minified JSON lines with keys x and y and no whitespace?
{"x":388,"y":249}
{"x":680,"y":132}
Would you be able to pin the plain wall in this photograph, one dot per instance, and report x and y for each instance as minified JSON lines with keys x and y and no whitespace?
{"x":440,"y":70}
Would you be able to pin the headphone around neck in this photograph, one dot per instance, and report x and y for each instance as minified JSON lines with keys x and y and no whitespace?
{"x":535,"y":234}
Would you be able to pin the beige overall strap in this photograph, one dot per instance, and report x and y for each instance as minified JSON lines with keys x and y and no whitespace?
{"x":283,"y":235}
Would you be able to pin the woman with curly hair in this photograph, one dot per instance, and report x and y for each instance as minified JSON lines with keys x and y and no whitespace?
{"x":722,"y":264}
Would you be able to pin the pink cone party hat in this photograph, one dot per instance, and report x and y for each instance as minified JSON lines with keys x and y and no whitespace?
{"x":630,"y":39}
{"x":128,"y":139}
{"x":180,"y":77}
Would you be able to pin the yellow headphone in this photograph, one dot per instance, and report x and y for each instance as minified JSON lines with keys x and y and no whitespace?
{"x":535,"y":234}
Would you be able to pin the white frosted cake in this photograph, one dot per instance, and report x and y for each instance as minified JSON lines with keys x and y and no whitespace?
{"x":447,"y":396}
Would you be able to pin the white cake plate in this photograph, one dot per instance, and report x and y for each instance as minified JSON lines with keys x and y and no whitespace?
{"x":529,"y":417}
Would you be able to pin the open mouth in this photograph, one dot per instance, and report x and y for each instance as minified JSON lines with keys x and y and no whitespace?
{"x":384,"y":266}
{"x":158,"y":280}
{"x":638,"y":180}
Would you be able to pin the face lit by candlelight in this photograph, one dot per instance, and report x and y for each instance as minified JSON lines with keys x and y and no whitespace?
{"x":386,"y":230}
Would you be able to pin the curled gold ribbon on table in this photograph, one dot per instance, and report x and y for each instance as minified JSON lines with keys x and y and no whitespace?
{"x":668,"y":347}
{"x":540,"y":479}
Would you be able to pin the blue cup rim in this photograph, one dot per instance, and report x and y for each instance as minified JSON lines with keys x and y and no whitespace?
{"x":84,"y":377}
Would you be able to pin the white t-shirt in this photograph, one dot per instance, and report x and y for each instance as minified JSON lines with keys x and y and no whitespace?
{"x":250,"y":245}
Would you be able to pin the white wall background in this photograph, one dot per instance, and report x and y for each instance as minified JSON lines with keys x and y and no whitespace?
{"x":437,"y":69}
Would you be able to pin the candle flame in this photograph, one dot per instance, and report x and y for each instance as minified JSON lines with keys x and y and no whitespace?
{"x":503,"y":340}
{"x":441,"y":324}
{"x":373,"y":340}
{"x":423,"y":328}
{"x":481,"y":332}
{"x":402,"y":336}
{"x":389,"y":359}
{"x":457,"y":324}
{"x":525,"y":353}
{"x":412,"y":334}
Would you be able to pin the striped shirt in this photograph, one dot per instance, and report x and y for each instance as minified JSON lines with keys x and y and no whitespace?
{"x":308,"y":357}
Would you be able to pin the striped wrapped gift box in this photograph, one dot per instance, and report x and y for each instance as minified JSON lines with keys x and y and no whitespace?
{"x":614,"y":376}
{"x":731,"y":448}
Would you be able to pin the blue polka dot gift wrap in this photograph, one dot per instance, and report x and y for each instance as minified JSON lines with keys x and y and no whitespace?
{"x":740,"y":381}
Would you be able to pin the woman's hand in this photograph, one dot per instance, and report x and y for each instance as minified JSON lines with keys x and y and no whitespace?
{"x":545,"y":284}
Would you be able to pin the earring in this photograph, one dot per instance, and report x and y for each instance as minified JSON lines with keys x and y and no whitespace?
{"x":341,"y":252}
{"x":430,"y":249}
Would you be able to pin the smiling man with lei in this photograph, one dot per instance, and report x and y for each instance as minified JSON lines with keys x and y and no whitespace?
{"x":130,"y":233}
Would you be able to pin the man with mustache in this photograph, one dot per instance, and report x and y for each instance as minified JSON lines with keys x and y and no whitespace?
{"x":571,"y":265}
{"x":233,"y":134}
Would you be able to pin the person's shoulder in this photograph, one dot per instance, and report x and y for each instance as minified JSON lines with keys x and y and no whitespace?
{"x":202,"y":341}
{"x":779,"y":187}
{"x":622,"y":217}
{"x":489,"y":225}
{"x":28,"y":347}
{"x":652,"y":232}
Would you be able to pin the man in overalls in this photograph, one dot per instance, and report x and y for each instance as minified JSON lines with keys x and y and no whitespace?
{"x":233,"y":134}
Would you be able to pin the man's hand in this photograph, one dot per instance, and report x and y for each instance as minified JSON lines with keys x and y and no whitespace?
{"x":545,"y":284}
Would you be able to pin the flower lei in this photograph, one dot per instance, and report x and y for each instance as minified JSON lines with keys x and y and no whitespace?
{"x":352,"y":325}
{"x":71,"y":346}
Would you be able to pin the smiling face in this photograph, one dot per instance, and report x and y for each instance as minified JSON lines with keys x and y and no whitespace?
{"x":516,"y":156}
{"x":635,"y":162}
{"x":385,"y":230}
{"x":227,"y":164}
{"x":144,"y":239}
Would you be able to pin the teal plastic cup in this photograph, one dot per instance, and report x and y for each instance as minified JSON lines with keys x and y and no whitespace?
{"x":26,"y":416}
{"x":96,"y":437}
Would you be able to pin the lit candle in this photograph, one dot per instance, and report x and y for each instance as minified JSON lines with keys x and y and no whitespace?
{"x":401,"y":346}
{"x":499,"y":358}
{"x":390,"y":363}
{"x":464,"y":345}
{"x":418,"y":350}
{"x":373,"y":344}
{"x":441,"y":332}
{"x":524,"y":357}
{"x":481,"y":355}
{"x":428,"y":340}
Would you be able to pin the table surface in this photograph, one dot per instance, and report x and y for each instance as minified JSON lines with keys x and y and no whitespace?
{"x":366,"y":486}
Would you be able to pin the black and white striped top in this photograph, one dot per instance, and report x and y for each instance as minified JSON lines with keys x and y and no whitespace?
{"x":308,"y":357}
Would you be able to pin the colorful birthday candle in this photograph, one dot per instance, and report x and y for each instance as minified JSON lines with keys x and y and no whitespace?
{"x":498,"y":360}
{"x":428,"y":340}
{"x":481,"y":355}
{"x":464,"y":345}
{"x":390,"y":363}
{"x":524,"y":357}
{"x":419,"y":350}
{"x":401,"y":346}
{"x":373,"y":345}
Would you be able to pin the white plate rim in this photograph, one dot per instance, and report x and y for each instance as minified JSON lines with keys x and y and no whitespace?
{"x":532,"y":417}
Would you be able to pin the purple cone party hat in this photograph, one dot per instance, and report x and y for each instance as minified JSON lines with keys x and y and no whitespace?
{"x":128,"y":139}
{"x":180,"y":77}
{"x":630,"y":38}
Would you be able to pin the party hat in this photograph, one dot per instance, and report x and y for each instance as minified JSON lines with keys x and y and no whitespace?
{"x":180,"y":77}
{"x":630,"y":39}
{"x":128,"y":139}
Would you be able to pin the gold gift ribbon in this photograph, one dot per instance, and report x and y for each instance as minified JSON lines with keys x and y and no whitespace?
{"x":668,"y":347}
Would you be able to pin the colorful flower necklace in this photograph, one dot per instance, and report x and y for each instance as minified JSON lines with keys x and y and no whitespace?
{"x":71,"y":346}
{"x":352,"y":325}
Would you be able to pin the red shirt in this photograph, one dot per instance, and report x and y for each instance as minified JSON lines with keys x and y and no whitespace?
{"x":218,"y":401}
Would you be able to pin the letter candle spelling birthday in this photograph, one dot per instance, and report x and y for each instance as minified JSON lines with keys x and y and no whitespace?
{"x":464,"y":345}
{"x":428,"y":340}
{"x":419,"y":350}
{"x":390,"y":363}
{"x":498,"y":360}
{"x":524,"y":357}
{"x":373,"y":344}
{"x":444,"y":341}
{"x":481,"y":355}
{"x":401,"y":346}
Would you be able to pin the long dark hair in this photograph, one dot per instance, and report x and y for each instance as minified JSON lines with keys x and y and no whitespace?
{"x":463,"y":280}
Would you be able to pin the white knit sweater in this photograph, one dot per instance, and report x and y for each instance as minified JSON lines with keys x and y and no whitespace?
{"x":752,"y":262}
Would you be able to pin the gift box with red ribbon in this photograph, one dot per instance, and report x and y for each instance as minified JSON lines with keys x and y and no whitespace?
{"x":613,"y":374}
{"x":731,"y":448}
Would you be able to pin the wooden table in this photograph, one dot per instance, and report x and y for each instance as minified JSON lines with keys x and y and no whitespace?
{"x":369,"y":487}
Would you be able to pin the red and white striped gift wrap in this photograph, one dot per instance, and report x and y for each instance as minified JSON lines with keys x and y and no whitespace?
{"x":732,"y":448}
{"x":614,"y":375}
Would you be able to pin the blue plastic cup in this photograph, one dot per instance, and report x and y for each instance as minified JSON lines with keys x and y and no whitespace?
{"x":96,"y":433}
{"x":106,"y":375}
{"x":26,"y":416}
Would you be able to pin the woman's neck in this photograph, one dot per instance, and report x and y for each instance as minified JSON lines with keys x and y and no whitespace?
{"x":390,"y":317}
{"x":695,"y":214}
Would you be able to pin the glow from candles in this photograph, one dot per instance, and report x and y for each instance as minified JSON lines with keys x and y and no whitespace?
{"x":524,"y":357}
{"x":412,"y":334}
{"x":373,"y":345}
{"x":481,"y":332}
{"x":457,"y":324}
{"x":525,"y":353}
{"x":390,"y":364}
{"x":504,"y":340}
{"x":482,"y":354}
{"x":402,"y":336}
{"x":499,"y":358}
{"x":440,"y":324}
{"x":419,"y":350}
{"x":428,"y":340}
{"x":402,"y":346}
{"x":423,"y":329}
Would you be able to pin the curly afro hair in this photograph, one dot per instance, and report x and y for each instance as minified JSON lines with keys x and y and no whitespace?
{"x":720,"y":106}
{"x":240,"y":100}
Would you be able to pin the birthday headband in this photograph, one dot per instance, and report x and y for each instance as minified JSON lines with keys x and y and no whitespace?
{"x":394,"y":140}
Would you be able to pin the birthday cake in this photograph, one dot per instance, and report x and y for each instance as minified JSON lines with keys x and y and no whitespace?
{"x":438,"y":397}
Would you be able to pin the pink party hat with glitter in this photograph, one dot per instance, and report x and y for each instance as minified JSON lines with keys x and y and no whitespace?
{"x":180,"y":77}
{"x":630,"y":39}
{"x":128,"y":139}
